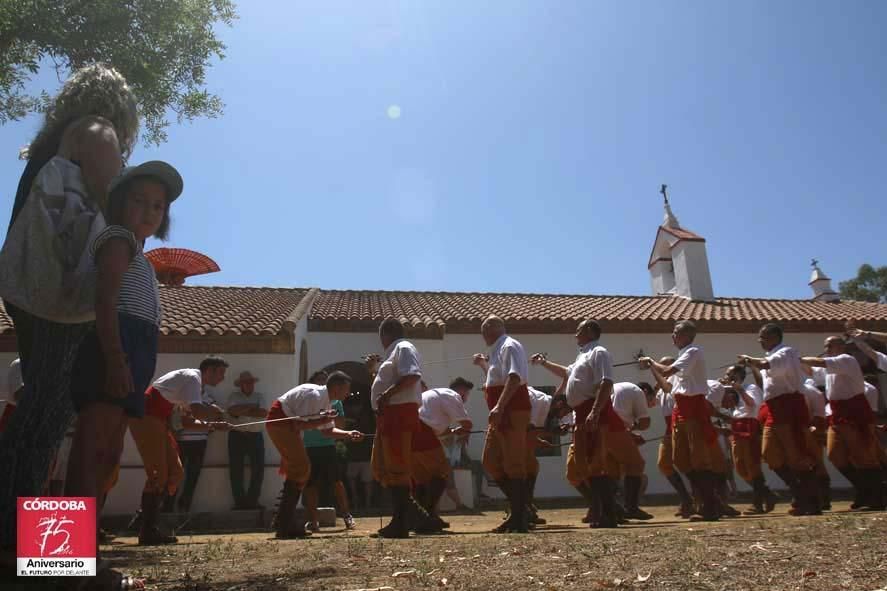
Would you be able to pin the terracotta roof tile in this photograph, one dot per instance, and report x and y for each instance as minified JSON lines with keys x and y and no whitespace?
{"x":218,"y":311}
{"x":440,"y":312}
{"x":262,"y":311}
{"x":257,"y":311}
{"x":682,"y":234}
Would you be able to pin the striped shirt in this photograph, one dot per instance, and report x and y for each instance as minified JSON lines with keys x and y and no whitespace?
{"x":139,"y":294}
{"x":185,"y":434}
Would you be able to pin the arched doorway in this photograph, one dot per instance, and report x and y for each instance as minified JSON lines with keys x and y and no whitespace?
{"x":359,"y":415}
{"x":358,"y":410}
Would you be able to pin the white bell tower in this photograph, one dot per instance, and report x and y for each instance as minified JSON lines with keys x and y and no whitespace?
{"x":822,"y":285}
{"x":678,"y":264}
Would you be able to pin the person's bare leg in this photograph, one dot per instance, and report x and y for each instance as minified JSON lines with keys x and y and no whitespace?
{"x":309,"y":500}
{"x":105,"y":476}
{"x":97,"y":445}
{"x":342,"y":498}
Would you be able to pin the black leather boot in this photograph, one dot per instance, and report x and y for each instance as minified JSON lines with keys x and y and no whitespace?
{"x":825,"y":492}
{"x":706,"y":481}
{"x":287,"y":526}
{"x":686,"y":508}
{"x":150,"y":534}
{"x":632,"y":499}
{"x":531,"y":505}
{"x":584,"y":489}
{"x":398,"y":527}
{"x":604,"y":489}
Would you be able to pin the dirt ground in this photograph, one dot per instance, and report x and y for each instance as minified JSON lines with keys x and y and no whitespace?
{"x":840,"y":550}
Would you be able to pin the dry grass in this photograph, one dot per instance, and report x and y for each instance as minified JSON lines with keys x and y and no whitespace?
{"x":837,"y":551}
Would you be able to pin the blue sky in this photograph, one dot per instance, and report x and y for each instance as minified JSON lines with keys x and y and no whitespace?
{"x":531,"y":143}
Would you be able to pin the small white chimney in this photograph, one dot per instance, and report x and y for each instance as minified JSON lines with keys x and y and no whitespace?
{"x":678,"y":264}
{"x":822,"y":285}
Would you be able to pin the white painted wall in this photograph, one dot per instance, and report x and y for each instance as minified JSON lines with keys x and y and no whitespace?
{"x":662,"y":277}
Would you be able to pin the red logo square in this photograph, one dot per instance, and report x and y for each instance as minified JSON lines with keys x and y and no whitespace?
{"x":56,"y":536}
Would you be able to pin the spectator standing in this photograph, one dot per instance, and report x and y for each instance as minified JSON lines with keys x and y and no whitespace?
{"x":245,"y":405}
{"x":192,"y":437}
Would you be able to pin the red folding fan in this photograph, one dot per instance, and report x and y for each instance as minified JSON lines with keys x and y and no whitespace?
{"x":173,"y":265}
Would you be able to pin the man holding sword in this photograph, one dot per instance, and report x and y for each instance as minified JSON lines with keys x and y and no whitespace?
{"x":307,"y":407}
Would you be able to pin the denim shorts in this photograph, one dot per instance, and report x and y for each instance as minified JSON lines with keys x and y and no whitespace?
{"x":139,"y":339}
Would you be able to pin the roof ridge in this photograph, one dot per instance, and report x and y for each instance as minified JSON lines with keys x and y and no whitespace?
{"x":254,"y":287}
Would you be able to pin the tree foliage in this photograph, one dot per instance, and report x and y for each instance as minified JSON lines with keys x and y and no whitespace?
{"x":162,"y":47}
{"x":869,"y":285}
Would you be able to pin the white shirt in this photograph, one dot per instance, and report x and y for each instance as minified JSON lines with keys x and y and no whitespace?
{"x":815,"y":399}
{"x":182,"y":387}
{"x":540,"y":404}
{"x":183,"y":433}
{"x":568,"y":419}
{"x":14,"y":380}
{"x":237,"y":398}
{"x":691,"y":380}
{"x":629,"y":402}
{"x":584,"y":376}
{"x":872,"y":395}
{"x":507,"y":357}
{"x":665,"y":400}
{"x":401,"y":359}
{"x":306,"y":400}
{"x":844,"y":378}
{"x":715,"y":394}
{"x":881,"y":360}
{"x":744,"y":411}
{"x":785,"y":375}
{"x":442,"y":407}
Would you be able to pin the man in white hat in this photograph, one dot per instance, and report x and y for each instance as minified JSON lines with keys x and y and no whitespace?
{"x":245,"y":405}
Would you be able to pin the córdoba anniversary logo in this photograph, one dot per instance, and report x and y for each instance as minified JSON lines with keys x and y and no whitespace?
{"x":56,"y":537}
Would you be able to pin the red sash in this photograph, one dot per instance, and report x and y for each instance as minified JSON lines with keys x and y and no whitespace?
{"x":276,"y":412}
{"x":399,"y":418}
{"x":745,"y":428}
{"x":583,"y":410}
{"x":788,"y":409}
{"x":156,"y":405}
{"x":520,"y":399}
{"x":855,"y":411}
{"x":748,"y":429}
{"x":424,"y":438}
{"x":394,"y":420}
{"x":695,"y":408}
{"x":612,"y":420}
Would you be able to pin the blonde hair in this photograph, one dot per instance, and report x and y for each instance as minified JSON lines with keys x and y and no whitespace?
{"x":91,"y":90}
